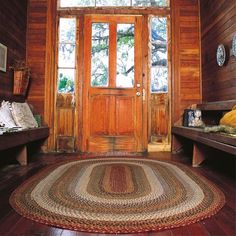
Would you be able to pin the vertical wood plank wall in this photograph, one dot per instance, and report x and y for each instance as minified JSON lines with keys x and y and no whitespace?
{"x":13,"y":18}
{"x":186,"y":71}
{"x":186,"y":80}
{"x":218,"y":25}
{"x":36,"y":49}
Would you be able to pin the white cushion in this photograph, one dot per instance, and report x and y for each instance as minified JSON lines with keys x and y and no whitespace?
{"x":6,"y":117}
{"x":23,"y":116}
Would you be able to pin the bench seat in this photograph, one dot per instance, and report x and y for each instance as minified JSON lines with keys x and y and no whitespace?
{"x":220,"y":141}
{"x":22,"y":139}
{"x":211,"y":112}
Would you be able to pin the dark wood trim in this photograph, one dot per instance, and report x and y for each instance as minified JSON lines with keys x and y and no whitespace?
{"x":114,"y":10}
{"x":219,"y":105}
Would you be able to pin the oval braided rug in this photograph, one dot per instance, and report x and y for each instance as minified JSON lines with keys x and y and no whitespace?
{"x":117,"y":195}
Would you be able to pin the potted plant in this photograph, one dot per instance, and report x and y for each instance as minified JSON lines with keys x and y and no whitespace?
{"x":21,"y":77}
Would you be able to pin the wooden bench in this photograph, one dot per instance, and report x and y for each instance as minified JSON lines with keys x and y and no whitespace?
{"x":21,"y":141}
{"x":211,"y":114}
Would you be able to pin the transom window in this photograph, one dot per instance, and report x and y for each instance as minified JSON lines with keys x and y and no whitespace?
{"x":110,"y":3}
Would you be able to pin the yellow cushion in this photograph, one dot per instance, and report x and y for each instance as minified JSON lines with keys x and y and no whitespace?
{"x":229,"y":118}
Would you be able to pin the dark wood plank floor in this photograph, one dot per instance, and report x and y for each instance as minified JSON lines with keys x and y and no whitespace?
{"x":220,"y":170}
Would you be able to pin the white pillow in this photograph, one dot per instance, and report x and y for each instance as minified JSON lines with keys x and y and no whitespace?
{"x":6,"y":117}
{"x":23,"y":116}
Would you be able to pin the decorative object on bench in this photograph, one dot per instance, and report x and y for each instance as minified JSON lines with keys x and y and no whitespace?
{"x":88,"y":195}
{"x":229,"y":118}
{"x":221,"y":128}
{"x":220,"y":55}
{"x":6,"y":117}
{"x":23,"y":116}
{"x":193,"y":118}
{"x":234,"y":45}
{"x":21,"y":77}
{"x":3,"y":58}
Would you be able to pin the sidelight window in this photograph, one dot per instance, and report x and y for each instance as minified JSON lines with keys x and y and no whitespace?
{"x":159,"y":54}
{"x":66,"y":55}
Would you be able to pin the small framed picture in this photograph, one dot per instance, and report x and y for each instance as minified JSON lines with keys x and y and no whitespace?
{"x":3,"y":58}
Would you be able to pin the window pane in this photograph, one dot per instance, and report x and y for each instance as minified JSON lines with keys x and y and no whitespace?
{"x":159,"y":54}
{"x":66,"y":55}
{"x":67,"y":30}
{"x":91,"y":3}
{"x":113,"y":3}
{"x":159,"y":81}
{"x":159,"y":29}
{"x":66,"y":78}
{"x":125,"y":55}
{"x":152,"y":3}
{"x":100,"y":54}
{"x":77,"y":3}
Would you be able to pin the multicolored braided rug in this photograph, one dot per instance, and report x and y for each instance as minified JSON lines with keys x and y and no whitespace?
{"x":117,"y":195}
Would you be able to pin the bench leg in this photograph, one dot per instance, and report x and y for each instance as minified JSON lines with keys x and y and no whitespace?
{"x":177,"y":145}
{"x":22,"y":156}
{"x":198,"y":154}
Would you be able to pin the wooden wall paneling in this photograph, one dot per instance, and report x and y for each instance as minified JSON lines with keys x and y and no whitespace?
{"x":65,"y":122}
{"x":186,"y":58}
{"x":159,"y":117}
{"x":186,"y":77}
{"x":13,"y":18}
{"x":218,"y":25}
{"x":36,"y":49}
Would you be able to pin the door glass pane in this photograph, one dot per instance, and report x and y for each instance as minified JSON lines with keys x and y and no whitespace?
{"x":66,"y":78}
{"x":100,"y":55}
{"x":66,"y":55}
{"x":125,"y":55}
{"x":113,"y":3}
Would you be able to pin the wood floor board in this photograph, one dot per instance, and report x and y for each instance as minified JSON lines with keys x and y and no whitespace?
{"x":12,"y":224}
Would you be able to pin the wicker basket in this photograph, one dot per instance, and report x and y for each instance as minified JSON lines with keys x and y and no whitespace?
{"x":21,"y":82}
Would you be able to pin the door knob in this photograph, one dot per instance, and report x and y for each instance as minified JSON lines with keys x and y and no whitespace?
{"x":138,"y":94}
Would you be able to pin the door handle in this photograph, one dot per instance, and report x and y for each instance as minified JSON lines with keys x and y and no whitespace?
{"x":138,"y":94}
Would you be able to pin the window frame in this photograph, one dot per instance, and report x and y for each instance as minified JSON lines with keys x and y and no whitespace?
{"x":58,"y":43}
{"x":59,"y":7}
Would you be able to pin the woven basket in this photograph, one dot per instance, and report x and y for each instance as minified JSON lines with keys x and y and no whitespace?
{"x":21,"y":81}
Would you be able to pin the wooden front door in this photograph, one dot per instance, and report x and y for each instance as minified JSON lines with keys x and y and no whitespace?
{"x":113,"y":88}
